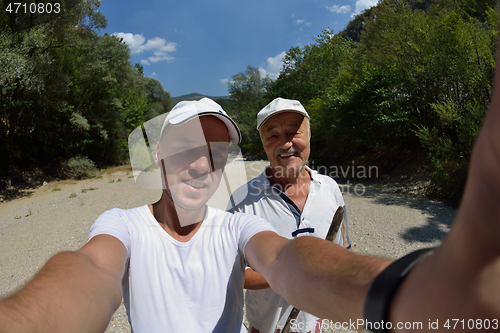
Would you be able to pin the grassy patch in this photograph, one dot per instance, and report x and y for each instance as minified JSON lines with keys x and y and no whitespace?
{"x":55,"y":189}
{"x":72,"y":195}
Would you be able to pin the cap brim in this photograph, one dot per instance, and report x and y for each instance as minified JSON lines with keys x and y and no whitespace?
{"x":305,"y":114}
{"x":234,"y":132}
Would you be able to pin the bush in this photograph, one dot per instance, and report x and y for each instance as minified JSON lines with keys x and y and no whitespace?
{"x":78,"y":167}
{"x":450,"y":144}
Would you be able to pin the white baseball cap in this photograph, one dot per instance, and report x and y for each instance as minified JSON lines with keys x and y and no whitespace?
{"x":279,"y":105}
{"x":184,"y":111}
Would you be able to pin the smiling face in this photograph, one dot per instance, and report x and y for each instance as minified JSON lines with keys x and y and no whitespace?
{"x":286,"y":140}
{"x":192,"y":158}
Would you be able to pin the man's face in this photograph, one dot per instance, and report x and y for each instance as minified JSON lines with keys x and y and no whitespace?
{"x":192,"y":159}
{"x":285,"y":137}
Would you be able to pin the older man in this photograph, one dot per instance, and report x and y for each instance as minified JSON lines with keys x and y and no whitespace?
{"x":296,"y":200}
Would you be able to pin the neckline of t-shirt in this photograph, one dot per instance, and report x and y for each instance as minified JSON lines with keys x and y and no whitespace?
{"x":208,"y":216}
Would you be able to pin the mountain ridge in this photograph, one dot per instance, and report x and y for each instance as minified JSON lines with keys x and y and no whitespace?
{"x":195,"y":96}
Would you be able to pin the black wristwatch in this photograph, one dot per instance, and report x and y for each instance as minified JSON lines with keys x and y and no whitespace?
{"x":384,"y":287}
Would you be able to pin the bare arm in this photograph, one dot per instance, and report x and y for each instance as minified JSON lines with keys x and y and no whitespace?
{"x":314,"y":275}
{"x":74,"y":292}
{"x":254,"y":280}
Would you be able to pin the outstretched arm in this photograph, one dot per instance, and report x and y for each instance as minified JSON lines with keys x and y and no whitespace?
{"x":74,"y":292}
{"x":254,"y":280}
{"x":315,"y":275}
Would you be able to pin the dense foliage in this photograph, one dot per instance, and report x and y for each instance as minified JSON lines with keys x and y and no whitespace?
{"x":247,"y":92}
{"x":67,"y":93}
{"x":405,"y":76}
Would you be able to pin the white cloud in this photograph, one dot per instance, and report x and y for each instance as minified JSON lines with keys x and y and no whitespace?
{"x":264,"y":73}
{"x":361,"y":5}
{"x":274,"y":64}
{"x":159,"y":56}
{"x":159,"y":46}
{"x":133,"y":41}
{"x":154,"y":74}
{"x":273,"y":67}
{"x":299,"y":22}
{"x":339,"y":10}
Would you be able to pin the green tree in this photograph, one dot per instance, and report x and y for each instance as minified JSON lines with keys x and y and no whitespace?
{"x":445,"y":57}
{"x":31,"y":81}
{"x":158,"y":98}
{"x":66,"y":91}
{"x":369,"y":116}
{"x":441,"y":53}
{"x":248,"y":93}
{"x":450,"y":145}
{"x":309,"y":71}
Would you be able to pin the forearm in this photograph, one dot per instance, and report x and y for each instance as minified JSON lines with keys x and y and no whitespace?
{"x":69,"y":294}
{"x":323,"y":278}
{"x":254,"y":280}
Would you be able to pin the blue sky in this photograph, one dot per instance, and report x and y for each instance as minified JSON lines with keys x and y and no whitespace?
{"x":197,"y":45}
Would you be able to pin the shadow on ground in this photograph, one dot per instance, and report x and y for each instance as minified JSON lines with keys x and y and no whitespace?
{"x":439,"y":216}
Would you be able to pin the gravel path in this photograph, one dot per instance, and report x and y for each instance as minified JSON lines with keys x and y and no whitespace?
{"x":57,"y":217}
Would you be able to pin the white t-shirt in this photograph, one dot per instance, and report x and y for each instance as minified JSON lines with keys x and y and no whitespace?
{"x":173,"y":286}
{"x":266,"y":310}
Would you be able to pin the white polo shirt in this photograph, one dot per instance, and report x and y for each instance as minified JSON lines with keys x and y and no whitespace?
{"x":266,"y":310}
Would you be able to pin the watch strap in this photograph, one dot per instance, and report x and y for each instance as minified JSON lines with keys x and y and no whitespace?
{"x":384,"y":287}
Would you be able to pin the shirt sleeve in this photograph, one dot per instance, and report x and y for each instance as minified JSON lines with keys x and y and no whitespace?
{"x":250,"y":225}
{"x":114,"y":223}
